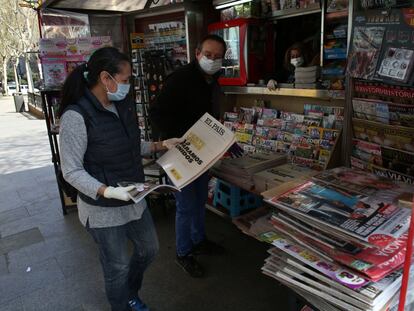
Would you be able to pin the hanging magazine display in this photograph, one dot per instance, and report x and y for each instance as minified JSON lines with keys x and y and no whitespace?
{"x":383,"y":47}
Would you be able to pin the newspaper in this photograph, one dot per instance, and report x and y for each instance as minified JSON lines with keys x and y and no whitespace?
{"x":369,"y":219}
{"x":204,"y":144}
{"x":373,"y":293}
{"x":141,"y":190}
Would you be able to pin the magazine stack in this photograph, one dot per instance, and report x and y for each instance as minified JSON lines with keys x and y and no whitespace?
{"x":339,"y":238}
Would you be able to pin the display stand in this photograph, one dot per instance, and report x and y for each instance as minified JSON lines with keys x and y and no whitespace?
{"x":50,"y":107}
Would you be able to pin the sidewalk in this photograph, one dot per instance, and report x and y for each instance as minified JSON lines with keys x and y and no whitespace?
{"x":49,"y":262}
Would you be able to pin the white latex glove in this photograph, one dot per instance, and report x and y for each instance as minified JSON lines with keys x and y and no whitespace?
{"x":172,"y":142}
{"x":118,"y":193}
{"x":272,"y":85}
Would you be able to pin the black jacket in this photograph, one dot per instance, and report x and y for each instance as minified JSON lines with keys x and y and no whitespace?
{"x":113,"y":153}
{"x":185,"y":97}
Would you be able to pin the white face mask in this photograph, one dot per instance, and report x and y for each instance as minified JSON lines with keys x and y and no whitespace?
{"x":297,"y":62}
{"x":210,"y":66}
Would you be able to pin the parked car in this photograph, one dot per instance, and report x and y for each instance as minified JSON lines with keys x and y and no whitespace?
{"x":11,"y":89}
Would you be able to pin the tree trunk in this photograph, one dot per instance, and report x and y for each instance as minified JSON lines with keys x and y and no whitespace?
{"x":29,"y":73}
{"x":5,"y":62}
{"x":16,"y":76}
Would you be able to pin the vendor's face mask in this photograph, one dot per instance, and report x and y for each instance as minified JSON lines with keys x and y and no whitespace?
{"x":121,"y":92}
{"x":210,"y":66}
{"x":297,"y":62}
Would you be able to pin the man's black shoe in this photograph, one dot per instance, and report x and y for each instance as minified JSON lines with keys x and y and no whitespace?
{"x":208,"y":247}
{"x":190,"y":265}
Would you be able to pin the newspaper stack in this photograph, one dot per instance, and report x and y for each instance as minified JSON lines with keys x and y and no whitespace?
{"x":339,"y":239}
{"x":276,"y":176}
{"x":306,"y":77}
{"x":240,"y":171}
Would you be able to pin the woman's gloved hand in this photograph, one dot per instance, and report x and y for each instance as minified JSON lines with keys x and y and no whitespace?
{"x":272,"y":85}
{"x":118,"y":193}
{"x":235,"y":151}
{"x":172,"y":142}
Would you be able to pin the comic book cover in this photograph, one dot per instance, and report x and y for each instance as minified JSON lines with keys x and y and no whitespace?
{"x":371,"y":220}
{"x":365,"y":50}
{"x":315,"y":132}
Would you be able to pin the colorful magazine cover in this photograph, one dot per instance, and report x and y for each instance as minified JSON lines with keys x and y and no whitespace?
{"x":366,"y":151}
{"x":341,"y":275}
{"x":371,"y":220}
{"x":374,"y":263}
{"x":365,"y":50}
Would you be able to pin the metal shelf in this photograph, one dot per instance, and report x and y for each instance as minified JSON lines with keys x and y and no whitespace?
{"x":281,"y":14}
{"x":253,"y":90}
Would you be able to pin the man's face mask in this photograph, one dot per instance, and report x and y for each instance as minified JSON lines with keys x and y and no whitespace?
{"x":210,"y":66}
{"x":121,"y":91}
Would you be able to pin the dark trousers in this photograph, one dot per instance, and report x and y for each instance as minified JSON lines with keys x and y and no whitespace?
{"x":123,"y":274}
{"x":190,"y":215}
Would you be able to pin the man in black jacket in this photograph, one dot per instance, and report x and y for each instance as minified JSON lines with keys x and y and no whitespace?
{"x":187,"y":94}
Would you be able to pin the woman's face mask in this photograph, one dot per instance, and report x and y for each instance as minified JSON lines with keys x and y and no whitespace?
{"x":121,"y":92}
{"x":297,"y":62}
{"x":210,"y":66}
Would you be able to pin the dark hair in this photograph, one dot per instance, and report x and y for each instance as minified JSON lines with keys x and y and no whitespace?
{"x":105,"y":59}
{"x":213,"y":38}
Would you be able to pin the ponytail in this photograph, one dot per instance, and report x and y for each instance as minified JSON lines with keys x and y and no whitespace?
{"x":87,"y":75}
{"x":73,"y":88}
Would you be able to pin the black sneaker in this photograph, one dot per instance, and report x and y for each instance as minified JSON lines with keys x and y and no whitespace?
{"x":208,"y":247}
{"x":190,"y":265}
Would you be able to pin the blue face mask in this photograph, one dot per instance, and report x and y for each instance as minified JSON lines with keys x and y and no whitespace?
{"x":120,"y":93}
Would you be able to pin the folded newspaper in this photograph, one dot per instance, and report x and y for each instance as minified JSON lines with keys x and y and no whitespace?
{"x":140,"y":190}
{"x":204,"y":144}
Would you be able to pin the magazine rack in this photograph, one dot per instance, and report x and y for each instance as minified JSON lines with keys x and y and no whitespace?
{"x":50,"y":105}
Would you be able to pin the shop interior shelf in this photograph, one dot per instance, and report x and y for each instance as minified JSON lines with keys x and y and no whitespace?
{"x":255,"y":90}
{"x":334,"y":16}
{"x":312,"y":9}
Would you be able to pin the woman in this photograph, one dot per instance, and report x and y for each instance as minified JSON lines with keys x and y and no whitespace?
{"x":100,"y":147}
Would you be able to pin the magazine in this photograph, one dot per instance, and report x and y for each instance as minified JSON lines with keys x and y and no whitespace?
{"x":366,"y":151}
{"x":386,"y":135}
{"x":204,"y":143}
{"x":312,"y":282}
{"x":365,"y":50}
{"x":141,"y":190}
{"x":373,"y":110}
{"x":373,"y":293}
{"x":335,"y":272}
{"x":374,"y":264}
{"x":369,"y":219}
{"x":367,"y":184}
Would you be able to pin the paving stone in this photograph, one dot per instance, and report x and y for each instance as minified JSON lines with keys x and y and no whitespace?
{"x":14,"y":305}
{"x":22,"y":282}
{"x":78,"y":261}
{"x":20,"y":240}
{"x":13,"y":215}
{"x":3,"y":265}
{"x":48,"y":205}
